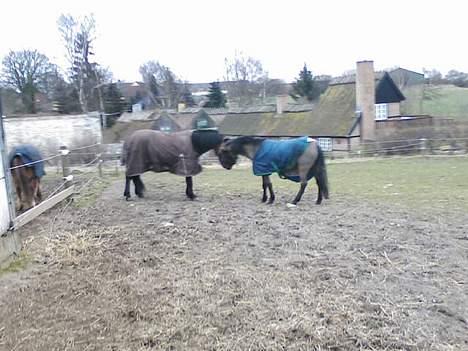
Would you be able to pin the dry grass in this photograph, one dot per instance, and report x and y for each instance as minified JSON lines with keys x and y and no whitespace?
{"x":228,"y":273}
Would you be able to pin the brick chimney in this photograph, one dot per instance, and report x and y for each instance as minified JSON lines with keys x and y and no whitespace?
{"x":281,"y":103}
{"x":365,"y":98}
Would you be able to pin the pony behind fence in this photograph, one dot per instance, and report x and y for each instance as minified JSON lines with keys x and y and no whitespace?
{"x":178,"y":153}
{"x":27,"y":169}
{"x":298,"y":159}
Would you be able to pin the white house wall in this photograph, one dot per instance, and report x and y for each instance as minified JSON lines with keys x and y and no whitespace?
{"x":48,"y":133}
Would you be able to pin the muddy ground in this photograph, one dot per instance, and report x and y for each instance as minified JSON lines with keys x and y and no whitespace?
{"x":226,"y":272}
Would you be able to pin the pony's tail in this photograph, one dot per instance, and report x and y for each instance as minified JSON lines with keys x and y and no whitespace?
{"x":321,"y":173}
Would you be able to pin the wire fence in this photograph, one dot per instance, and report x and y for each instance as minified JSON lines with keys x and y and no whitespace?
{"x":80,"y":166}
{"x":402,"y":147}
{"x":86,"y":164}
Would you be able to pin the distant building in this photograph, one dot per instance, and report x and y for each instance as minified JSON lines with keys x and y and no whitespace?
{"x":404,"y":78}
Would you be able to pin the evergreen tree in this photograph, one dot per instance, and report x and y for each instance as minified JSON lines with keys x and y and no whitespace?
{"x":113,"y":105}
{"x":65,"y":98}
{"x":216,"y":97}
{"x":305,"y":86}
{"x":187,"y":97}
{"x":154,"y":90}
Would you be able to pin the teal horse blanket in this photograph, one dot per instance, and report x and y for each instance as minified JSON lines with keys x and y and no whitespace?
{"x":279,"y":156}
{"x":28,"y":154}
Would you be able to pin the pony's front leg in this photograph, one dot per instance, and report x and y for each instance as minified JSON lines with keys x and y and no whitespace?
{"x":18,"y":203}
{"x":19,"y":200}
{"x":300,"y":193}
{"x":189,"y":189}
{"x":139,"y":186}
{"x":127,"y":188}
{"x":267,"y":185}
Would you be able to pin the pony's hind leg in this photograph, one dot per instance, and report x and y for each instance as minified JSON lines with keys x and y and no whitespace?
{"x":127,"y":188}
{"x":189,"y":188}
{"x":319,"y":195}
{"x":37,"y":194}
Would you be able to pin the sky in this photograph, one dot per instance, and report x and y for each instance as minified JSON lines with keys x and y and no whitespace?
{"x":193,"y":38}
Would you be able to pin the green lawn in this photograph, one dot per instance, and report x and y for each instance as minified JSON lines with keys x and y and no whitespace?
{"x":428,"y":184}
{"x":439,"y":101}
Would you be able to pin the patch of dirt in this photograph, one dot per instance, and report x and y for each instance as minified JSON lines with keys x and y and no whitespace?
{"x":226,"y":272}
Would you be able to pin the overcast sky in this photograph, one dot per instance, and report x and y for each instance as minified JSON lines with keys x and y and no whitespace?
{"x":193,"y":37}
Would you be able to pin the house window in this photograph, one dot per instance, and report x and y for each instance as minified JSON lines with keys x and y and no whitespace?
{"x":325,"y":144}
{"x":381,"y":111}
{"x":165,"y":128}
{"x":202,"y":123}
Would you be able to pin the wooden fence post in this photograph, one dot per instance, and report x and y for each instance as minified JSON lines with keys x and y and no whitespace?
{"x":430,"y":146}
{"x":64,"y":152}
{"x":423,"y":146}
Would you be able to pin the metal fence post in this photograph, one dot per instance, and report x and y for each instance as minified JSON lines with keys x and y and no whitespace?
{"x":6,"y":165}
{"x":100,"y":166}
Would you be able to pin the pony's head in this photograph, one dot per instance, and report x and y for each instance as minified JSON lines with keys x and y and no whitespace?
{"x":228,"y":153}
{"x":206,"y":140}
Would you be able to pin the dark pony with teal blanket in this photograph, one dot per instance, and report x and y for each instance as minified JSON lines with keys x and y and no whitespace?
{"x":298,"y":160}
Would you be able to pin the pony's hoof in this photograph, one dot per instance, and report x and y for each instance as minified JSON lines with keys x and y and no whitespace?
{"x":192,"y":197}
{"x":264,"y":199}
{"x":127,"y":198}
{"x":290,"y":205}
{"x":141,"y":196}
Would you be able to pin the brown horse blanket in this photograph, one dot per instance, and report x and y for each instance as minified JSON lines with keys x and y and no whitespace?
{"x":150,"y":150}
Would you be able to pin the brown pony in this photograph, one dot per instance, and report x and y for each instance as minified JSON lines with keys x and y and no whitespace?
{"x":27,"y":168}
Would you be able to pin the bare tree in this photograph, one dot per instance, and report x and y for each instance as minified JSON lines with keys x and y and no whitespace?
{"x":433,"y":76}
{"x":78,"y":36}
{"x":246,"y":76}
{"x":165,"y":88}
{"x":457,"y":78}
{"x":26,"y":72}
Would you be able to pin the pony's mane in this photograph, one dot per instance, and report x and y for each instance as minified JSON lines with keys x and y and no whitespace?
{"x":206,"y":140}
{"x":237,"y":144}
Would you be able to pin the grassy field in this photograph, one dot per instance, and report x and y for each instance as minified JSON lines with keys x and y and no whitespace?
{"x":439,"y":101}
{"x":429,"y":184}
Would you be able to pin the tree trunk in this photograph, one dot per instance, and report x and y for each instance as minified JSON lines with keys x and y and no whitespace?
{"x":83,"y":98}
